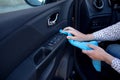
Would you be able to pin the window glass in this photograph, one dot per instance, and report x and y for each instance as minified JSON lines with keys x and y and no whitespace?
{"x":35,"y":2}
{"x":12,"y":5}
{"x":39,"y":2}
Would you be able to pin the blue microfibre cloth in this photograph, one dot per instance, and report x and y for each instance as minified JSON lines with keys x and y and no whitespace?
{"x":83,"y":46}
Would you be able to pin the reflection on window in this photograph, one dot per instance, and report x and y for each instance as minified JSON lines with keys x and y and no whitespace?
{"x":12,"y":5}
{"x":35,"y":2}
{"x":42,"y":0}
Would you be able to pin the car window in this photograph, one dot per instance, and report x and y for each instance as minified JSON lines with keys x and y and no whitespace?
{"x":39,"y":2}
{"x":35,"y":2}
{"x":12,"y":5}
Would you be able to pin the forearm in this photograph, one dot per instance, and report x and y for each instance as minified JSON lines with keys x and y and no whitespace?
{"x":90,"y":37}
{"x":110,"y":33}
{"x":114,"y":62}
{"x":108,"y":59}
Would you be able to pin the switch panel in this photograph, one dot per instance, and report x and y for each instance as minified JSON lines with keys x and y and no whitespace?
{"x":54,"y":41}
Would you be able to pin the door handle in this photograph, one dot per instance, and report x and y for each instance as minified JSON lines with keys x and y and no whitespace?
{"x":53,"y":19}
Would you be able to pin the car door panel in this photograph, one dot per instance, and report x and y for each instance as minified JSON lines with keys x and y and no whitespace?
{"x":37,"y":63}
{"x":22,"y":34}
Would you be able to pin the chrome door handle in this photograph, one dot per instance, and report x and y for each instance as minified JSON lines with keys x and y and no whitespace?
{"x":52,"y":22}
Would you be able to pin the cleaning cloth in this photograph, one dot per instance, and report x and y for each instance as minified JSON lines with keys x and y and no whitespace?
{"x":83,"y":45}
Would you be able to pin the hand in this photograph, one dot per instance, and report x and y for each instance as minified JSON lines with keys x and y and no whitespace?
{"x":78,"y":35}
{"x":98,"y":54}
{"x":81,"y":45}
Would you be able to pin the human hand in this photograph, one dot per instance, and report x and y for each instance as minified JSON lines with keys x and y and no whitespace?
{"x":98,"y":54}
{"x":78,"y":35}
{"x":83,"y":46}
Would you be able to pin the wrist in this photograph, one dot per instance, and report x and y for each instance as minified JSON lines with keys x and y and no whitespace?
{"x":108,"y":59}
{"x":89,"y":37}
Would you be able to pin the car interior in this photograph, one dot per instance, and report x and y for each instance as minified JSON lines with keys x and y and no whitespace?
{"x":31,"y":47}
{"x":94,"y":15}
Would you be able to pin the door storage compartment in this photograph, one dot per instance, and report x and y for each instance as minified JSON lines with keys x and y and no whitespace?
{"x":41,"y":54}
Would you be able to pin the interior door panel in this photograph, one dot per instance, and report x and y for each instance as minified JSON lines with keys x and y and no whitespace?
{"x":29,"y":47}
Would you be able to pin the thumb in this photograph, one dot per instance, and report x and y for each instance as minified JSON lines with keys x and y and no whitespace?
{"x":92,"y":46}
{"x":88,"y":52}
{"x":71,"y":37}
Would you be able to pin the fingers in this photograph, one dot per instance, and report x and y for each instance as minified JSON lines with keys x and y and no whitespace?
{"x":88,"y":52}
{"x":71,"y":37}
{"x":68,"y":28}
{"x":93,"y":46}
{"x":73,"y":31}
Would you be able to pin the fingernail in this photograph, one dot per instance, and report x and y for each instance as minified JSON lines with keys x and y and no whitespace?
{"x":68,"y":37}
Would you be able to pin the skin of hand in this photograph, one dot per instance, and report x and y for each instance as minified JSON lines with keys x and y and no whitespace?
{"x":78,"y":35}
{"x":98,"y":54}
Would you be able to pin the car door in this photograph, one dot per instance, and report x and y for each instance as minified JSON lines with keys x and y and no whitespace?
{"x":31,"y":47}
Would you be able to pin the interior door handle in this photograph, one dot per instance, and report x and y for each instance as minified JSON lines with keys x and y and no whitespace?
{"x":53,"y":19}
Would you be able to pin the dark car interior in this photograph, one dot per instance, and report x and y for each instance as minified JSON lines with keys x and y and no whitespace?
{"x":31,"y":47}
{"x":93,"y":15}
